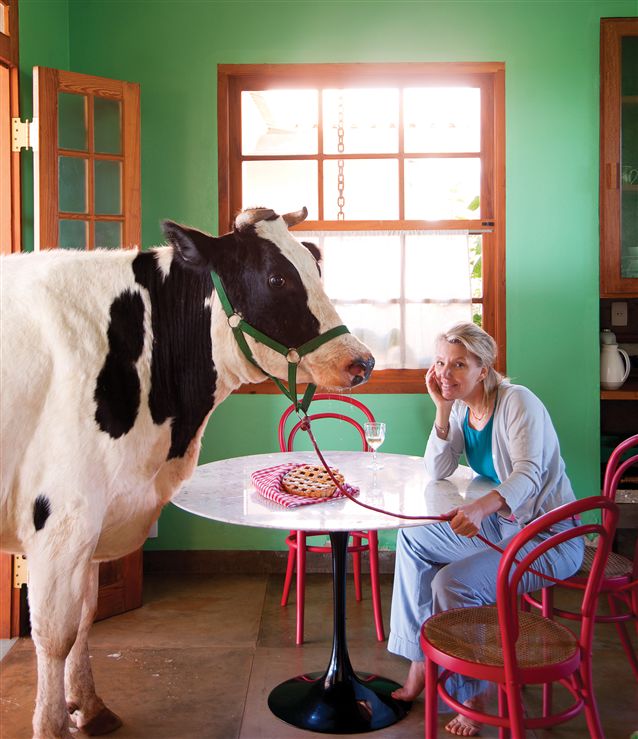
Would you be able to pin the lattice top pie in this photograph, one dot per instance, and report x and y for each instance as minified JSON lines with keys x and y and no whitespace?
{"x":311,"y":481}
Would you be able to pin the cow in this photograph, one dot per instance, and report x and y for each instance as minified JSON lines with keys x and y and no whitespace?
{"x":112,"y":362}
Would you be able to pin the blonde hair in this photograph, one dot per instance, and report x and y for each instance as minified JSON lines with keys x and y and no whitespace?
{"x":481,"y":346}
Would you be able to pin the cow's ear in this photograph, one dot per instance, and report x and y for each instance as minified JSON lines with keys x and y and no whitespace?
{"x":192,"y":247}
{"x":314,"y":250}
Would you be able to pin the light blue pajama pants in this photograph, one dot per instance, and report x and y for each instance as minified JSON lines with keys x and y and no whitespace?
{"x":437,"y":570}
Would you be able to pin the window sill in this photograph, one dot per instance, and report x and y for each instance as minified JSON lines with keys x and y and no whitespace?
{"x":390,"y":381}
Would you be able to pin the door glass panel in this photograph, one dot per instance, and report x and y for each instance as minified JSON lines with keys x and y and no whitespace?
{"x":3,"y":12}
{"x":365,"y":121}
{"x":629,"y":158}
{"x":72,"y":178}
{"x":279,"y":122}
{"x":108,"y":178}
{"x":442,"y":119}
{"x":108,"y":234}
{"x":72,"y":234}
{"x":370,"y":189}
{"x":107,"y":123}
{"x":72,"y":126}
{"x":438,"y":189}
{"x":281,"y":185}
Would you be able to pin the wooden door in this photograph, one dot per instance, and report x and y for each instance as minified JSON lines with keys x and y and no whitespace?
{"x":10,"y":597}
{"x":87,"y":195}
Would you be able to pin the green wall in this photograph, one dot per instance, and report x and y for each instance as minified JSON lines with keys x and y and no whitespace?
{"x":551,"y":54}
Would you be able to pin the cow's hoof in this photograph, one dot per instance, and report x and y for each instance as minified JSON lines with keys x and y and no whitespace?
{"x":103,"y":722}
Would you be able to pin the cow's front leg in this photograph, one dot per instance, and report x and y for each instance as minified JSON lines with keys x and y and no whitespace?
{"x":86,"y":707}
{"x":56,"y":592}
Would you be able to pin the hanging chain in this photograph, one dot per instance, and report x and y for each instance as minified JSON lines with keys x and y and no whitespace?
{"x":340,"y":147}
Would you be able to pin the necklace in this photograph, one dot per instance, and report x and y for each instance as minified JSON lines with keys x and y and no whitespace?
{"x":476,"y":417}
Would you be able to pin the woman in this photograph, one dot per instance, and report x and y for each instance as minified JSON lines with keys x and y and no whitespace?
{"x":506,"y":435}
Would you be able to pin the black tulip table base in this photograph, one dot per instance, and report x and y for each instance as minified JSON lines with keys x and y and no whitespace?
{"x":338,"y":701}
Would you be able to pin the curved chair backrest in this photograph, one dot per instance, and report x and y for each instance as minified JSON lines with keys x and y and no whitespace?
{"x":286,"y":441}
{"x":514,"y":564}
{"x":617,"y":466}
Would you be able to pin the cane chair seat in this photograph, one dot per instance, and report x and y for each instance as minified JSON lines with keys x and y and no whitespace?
{"x":473,"y":634}
{"x":617,"y":565}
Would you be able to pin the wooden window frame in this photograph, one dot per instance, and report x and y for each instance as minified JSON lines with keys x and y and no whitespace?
{"x":232,"y":79}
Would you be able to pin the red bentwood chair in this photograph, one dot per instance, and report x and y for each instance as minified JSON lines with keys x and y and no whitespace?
{"x":362,"y":541}
{"x":620,"y":572}
{"x":514,"y":648}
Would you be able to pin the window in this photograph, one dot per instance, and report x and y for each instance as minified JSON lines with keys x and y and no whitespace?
{"x":401,"y":167}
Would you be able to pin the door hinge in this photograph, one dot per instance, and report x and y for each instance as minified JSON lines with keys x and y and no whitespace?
{"x":20,"y":571}
{"x":24,"y":134}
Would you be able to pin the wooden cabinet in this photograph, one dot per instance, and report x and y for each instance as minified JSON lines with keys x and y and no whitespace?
{"x":619,"y":157}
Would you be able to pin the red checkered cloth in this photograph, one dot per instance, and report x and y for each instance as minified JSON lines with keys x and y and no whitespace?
{"x":268,"y":484}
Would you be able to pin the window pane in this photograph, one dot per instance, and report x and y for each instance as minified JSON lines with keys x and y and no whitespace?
{"x":378,"y":327}
{"x":371,"y":189}
{"x":442,"y":119}
{"x":107,"y":124}
{"x":283,"y":186}
{"x":365,"y":121}
{"x":279,"y":122}
{"x":72,"y":234}
{"x":72,"y":126}
{"x":424,"y":322}
{"x":350,"y":266}
{"x":108,"y":234}
{"x":437,"y":267}
{"x":3,"y":10}
{"x":437,"y":189}
{"x":72,"y":174}
{"x":108,"y":178}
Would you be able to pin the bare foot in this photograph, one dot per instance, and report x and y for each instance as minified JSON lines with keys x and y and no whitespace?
{"x":464,"y":726}
{"x":414,"y":684}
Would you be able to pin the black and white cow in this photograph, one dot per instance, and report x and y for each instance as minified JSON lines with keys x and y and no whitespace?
{"x":112,"y":362}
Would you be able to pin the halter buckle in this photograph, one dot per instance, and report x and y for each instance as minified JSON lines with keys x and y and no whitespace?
{"x":234,"y":320}
{"x":293,"y":356}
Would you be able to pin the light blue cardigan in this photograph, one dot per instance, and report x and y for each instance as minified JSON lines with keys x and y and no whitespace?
{"x":525,"y":452}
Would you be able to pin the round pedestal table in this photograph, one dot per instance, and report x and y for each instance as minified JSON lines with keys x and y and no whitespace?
{"x":336,"y":700}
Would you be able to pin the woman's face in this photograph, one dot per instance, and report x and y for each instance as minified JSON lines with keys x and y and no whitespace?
{"x":458,"y":372}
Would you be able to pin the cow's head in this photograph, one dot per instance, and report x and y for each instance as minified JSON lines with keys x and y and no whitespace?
{"x":273,"y":281}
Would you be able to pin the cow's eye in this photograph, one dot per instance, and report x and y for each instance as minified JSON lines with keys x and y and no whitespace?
{"x":276,"y":281}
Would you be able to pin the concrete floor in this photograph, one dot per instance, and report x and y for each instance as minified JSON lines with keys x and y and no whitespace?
{"x":199,"y":659}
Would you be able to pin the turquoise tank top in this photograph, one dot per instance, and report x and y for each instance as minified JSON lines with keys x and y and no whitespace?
{"x":478,"y":448}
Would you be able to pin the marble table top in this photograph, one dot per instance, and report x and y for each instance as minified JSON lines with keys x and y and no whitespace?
{"x":223,"y":491}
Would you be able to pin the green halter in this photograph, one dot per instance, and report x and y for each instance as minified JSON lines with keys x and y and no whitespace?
{"x":293,"y":356}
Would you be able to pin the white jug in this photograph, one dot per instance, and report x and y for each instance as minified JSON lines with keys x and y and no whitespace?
{"x":612,"y":372}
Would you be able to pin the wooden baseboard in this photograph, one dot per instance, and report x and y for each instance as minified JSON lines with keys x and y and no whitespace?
{"x":217,"y":561}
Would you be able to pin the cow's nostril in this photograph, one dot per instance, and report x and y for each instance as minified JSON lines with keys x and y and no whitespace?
{"x":360,"y":370}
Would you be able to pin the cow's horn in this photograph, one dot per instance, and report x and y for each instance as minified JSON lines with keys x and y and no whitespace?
{"x":251,"y":216}
{"x":292,"y":219}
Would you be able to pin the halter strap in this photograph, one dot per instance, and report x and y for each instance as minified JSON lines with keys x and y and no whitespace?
{"x":293,"y":355}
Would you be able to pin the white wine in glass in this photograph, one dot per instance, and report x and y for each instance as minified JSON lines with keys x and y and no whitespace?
{"x":375,"y":436}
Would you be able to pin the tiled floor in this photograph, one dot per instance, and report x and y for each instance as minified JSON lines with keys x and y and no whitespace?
{"x":199,"y":659}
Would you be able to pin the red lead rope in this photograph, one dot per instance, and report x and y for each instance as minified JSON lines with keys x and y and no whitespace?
{"x":305,"y":425}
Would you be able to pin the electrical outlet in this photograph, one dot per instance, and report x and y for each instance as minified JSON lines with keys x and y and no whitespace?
{"x":619,"y":314}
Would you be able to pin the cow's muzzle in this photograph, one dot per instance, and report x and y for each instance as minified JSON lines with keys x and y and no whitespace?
{"x":360,"y":370}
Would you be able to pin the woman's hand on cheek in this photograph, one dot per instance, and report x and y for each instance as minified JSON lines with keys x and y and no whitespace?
{"x":434,"y":389}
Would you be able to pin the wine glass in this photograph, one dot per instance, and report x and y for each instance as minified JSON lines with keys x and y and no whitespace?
{"x":375,"y":436}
